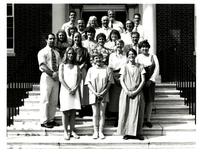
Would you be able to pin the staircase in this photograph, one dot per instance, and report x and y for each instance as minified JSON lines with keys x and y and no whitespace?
{"x":173,"y":127}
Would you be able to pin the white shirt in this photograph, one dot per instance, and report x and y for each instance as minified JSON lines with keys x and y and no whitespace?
{"x":66,"y":26}
{"x":117,"y":61}
{"x":140,"y":30}
{"x":104,"y":30}
{"x":126,"y":37}
{"x":90,"y":45}
{"x":147,"y":61}
{"x":117,"y":25}
{"x":45,"y":57}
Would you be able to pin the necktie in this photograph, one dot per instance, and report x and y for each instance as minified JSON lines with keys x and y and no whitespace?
{"x":54,"y":67}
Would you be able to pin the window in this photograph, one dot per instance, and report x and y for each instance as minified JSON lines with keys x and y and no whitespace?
{"x":10,"y":30}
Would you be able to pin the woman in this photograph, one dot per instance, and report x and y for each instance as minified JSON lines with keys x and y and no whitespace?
{"x":61,"y":43}
{"x":131,"y":98}
{"x":113,"y":37}
{"x":92,"y":22}
{"x":83,"y":60}
{"x":71,"y":32}
{"x":70,"y":99}
{"x":101,"y":39}
{"x":116,"y":61}
{"x":98,"y":79}
{"x":151,"y":65}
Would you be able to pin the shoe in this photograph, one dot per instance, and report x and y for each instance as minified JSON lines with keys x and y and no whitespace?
{"x":47,"y":125}
{"x":66,"y":137}
{"x":54,"y":123}
{"x":75,"y":135}
{"x":101,"y":135}
{"x":140,"y":137}
{"x":149,"y":124}
{"x":95,"y":135}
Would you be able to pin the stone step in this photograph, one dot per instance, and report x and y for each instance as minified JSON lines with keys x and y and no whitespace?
{"x":87,"y":129}
{"x":110,"y":142}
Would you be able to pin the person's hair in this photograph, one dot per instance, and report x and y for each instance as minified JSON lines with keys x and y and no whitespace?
{"x":111,"y":11}
{"x":73,"y":27}
{"x":120,"y":41}
{"x":90,"y":30}
{"x":131,"y":49}
{"x":138,"y":14}
{"x":90,"y":19}
{"x":47,"y":36}
{"x":65,"y":35}
{"x":72,"y":11}
{"x":130,"y":21}
{"x":101,"y":35}
{"x":81,"y":19}
{"x":135,"y":32}
{"x":114,"y":32}
{"x":80,"y":44}
{"x":144,"y":43}
{"x":104,"y":17}
{"x":66,"y":54}
{"x":95,"y":53}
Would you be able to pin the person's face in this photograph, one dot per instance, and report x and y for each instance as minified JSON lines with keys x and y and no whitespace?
{"x":61,"y":36}
{"x":105,"y":22}
{"x":145,"y":50}
{"x":72,"y":31}
{"x":72,"y":16}
{"x":101,"y":41}
{"x":136,"y":19}
{"x":119,"y":45}
{"x":131,"y":57}
{"x":114,"y":37}
{"x":81,"y":24}
{"x":90,"y":36}
{"x":129,"y":26}
{"x":98,"y":60}
{"x":77,"y":38}
{"x":93,"y":23}
{"x":51,"y":40}
{"x":70,"y":55}
{"x":111,"y":15}
{"x":134,"y":38}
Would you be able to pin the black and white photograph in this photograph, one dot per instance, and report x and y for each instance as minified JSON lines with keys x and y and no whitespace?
{"x":100,"y":75}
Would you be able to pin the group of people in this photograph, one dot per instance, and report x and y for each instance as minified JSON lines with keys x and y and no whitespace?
{"x":107,"y":67}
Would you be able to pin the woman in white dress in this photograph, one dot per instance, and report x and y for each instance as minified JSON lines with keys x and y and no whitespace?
{"x":98,"y":79}
{"x":70,"y":100}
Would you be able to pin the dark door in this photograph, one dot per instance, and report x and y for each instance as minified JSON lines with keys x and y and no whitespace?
{"x":175,"y":35}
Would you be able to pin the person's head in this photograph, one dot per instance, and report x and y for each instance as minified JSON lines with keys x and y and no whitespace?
{"x":114,"y":35}
{"x":136,"y":18}
{"x":105,"y":21}
{"x":135,"y":36}
{"x":90,"y":33}
{"x":81,"y":24}
{"x":50,"y":39}
{"x":129,"y":25}
{"x":92,"y":21}
{"x":111,"y":14}
{"x":77,"y":38}
{"x":131,"y":55}
{"x":72,"y":30}
{"x":119,"y":44}
{"x":97,"y":58}
{"x":101,"y":39}
{"x":144,"y":46}
{"x":72,"y":16}
{"x":61,"y":36}
{"x":70,"y":56}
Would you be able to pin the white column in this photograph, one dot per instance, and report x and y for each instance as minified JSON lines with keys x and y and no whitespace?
{"x":149,"y":25}
{"x":58,"y":17}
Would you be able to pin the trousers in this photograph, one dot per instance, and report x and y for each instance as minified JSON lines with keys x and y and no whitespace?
{"x":49,"y":90}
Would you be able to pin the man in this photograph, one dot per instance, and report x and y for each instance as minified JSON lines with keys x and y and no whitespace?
{"x":81,"y":28}
{"x":135,"y":38}
{"x":71,"y":23}
{"x":49,"y":61}
{"x":105,"y":28}
{"x":117,"y":25}
{"x":126,"y":36}
{"x":137,"y":26}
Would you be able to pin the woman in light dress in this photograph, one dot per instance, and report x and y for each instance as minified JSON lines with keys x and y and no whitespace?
{"x":70,"y":99}
{"x":99,"y":78}
{"x":131,"y":102}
